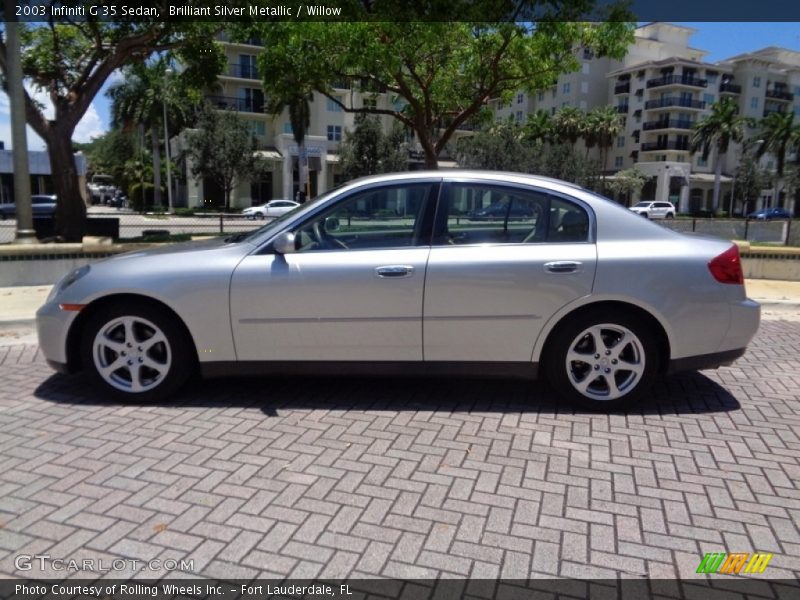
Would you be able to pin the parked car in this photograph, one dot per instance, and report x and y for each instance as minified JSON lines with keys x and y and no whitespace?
{"x":770,"y":213}
{"x":586,"y":293}
{"x":500,"y":211}
{"x":42,"y":206}
{"x":273,"y":208}
{"x":651,"y":209}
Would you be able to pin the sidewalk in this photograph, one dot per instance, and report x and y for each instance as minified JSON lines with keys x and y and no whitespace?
{"x":19,"y":304}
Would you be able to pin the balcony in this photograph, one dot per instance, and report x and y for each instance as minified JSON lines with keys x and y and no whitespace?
{"x":773,"y":109}
{"x":780,"y":95}
{"x":622,"y":108}
{"x":730,"y":88}
{"x":688,"y":80}
{"x":252,"y":105}
{"x":622,"y":88}
{"x":243,"y":71}
{"x":667,"y":102}
{"x":669,"y":145}
{"x":668,"y":124}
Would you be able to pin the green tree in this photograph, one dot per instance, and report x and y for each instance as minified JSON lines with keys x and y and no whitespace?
{"x":506,"y":146}
{"x":108,"y":154}
{"x":749,"y":180}
{"x":779,"y":135}
{"x":715,"y":133}
{"x":71,"y":60}
{"x":563,"y":161}
{"x":142,"y":96}
{"x":367,"y":150}
{"x":601,"y":128}
{"x":628,"y":183}
{"x":437,"y":75}
{"x":223,"y":149}
{"x":539,"y":127}
{"x":569,"y":124}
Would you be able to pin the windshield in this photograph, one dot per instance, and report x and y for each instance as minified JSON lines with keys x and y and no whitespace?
{"x":643,"y":204}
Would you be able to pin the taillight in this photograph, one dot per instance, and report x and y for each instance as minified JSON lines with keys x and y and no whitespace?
{"x":727,"y":267}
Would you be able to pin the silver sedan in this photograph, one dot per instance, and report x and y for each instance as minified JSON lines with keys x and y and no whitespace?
{"x":389,"y":275}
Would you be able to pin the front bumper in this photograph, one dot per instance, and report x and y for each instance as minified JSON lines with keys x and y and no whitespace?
{"x":52,"y":328}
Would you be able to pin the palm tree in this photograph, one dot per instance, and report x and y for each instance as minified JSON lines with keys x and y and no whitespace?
{"x":140,"y":99}
{"x":568,"y":124}
{"x":300,"y":120}
{"x":779,"y":135}
{"x":602,"y":126}
{"x":539,"y":127}
{"x":723,"y":126}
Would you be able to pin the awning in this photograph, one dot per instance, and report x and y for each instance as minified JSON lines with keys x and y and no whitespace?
{"x":269,"y":154}
{"x":332,"y":158}
{"x":708,"y":178}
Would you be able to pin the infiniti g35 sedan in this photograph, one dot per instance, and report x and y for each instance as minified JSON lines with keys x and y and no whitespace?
{"x":580,"y":290}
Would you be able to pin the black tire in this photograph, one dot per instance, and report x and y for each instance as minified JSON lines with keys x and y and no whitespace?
{"x":670,"y":216}
{"x":173,"y":357}
{"x":641,"y":350}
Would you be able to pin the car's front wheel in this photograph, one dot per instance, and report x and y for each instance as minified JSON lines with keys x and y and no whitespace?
{"x":602,"y":360}
{"x":136,"y":352}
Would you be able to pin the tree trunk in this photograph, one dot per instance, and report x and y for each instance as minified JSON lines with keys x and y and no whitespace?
{"x":71,"y":208}
{"x":717,"y":183}
{"x":228,"y":190}
{"x":156,"y":166}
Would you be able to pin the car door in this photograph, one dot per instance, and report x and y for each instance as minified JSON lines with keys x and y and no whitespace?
{"x":491,"y":287}
{"x":353,"y":289}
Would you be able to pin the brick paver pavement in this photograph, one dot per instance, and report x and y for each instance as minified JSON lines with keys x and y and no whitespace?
{"x":405,"y":477}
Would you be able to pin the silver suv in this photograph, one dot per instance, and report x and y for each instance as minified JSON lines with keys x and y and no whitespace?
{"x":650,"y":209}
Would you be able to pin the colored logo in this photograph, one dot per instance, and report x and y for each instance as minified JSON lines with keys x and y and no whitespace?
{"x":733,"y":564}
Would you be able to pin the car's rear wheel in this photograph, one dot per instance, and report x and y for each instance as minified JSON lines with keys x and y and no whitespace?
{"x":135,"y":352}
{"x":670,"y":216}
{"x":602,"y":360}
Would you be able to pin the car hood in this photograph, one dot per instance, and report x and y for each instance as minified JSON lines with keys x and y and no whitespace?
{"x":182,"y":248}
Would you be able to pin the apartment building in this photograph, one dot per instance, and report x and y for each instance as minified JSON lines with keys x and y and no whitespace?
{"x":662,"y":88}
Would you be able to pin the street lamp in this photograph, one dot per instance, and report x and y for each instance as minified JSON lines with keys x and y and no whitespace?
{"x":167,"y":74}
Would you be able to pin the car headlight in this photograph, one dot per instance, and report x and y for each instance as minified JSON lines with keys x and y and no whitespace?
{"x":67,"y":281}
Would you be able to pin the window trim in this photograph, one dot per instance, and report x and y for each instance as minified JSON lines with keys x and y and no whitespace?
{"x":426,"y":228}
{"x":440,"y":216}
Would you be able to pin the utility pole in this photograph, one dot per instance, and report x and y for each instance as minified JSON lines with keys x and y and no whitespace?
{"x":25,"y":233}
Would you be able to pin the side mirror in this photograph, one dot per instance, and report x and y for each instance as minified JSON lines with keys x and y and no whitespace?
{"x":331,"y":224}
{"x":285,"y":243}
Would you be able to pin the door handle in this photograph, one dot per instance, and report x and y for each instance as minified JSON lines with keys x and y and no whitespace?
{"x":562,"y":266}
{"x":395,"y":271}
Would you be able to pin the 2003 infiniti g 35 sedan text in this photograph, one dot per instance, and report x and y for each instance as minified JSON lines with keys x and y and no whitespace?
{"x":389,"y":274}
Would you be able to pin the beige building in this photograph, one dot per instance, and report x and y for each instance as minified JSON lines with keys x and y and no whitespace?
{"x":662,"y":88}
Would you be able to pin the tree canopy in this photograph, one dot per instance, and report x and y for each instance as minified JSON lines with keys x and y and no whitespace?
{"x":72,"y":59}
{"x":367,"y":150}
{"x":437,"y":76}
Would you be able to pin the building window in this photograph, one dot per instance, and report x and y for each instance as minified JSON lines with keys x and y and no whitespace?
{"x":708,"y":99}
{"x":332,"y":106}
{"x":520,"y":98}
{"x":588,"y":54}
{"x":566,"y":88}
{"x":584,"y":87}
{"x":701,"y":162}
{"x":753,"y":102}
{"x":711,"y":77}
{"x":621,"y":141}
{"x":369,"y":102}
{"x":797,"y":91}
{"x":287,"y":127}
{"x":257,"y":127}
{"x":555,"y":91}
{"x":563,"y":104}
{"x":552,"y":110}
{"x":756,"y":81}
{"x":540,"y":96}
{"x":797,"y":111}
{"x":624,"y":122}
{"x":335,"y":133}
{"x":585,"y":68}
{"x":618,"y":162}
{"x":519,"y":116}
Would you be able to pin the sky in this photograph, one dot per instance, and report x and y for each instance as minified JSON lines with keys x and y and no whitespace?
{"x":721,"y":40}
